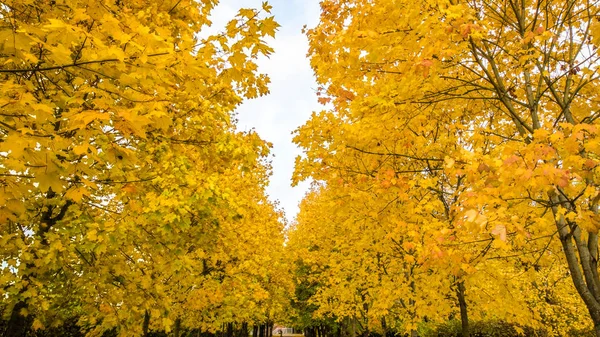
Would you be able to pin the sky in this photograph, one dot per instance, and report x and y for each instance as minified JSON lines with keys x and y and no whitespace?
{"x":292,"y":98}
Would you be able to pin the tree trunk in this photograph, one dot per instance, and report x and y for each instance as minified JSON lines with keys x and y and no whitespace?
{"x":584,"y":273}
{"x":254,"y":331}
{"x":229,"y":329}
{"x":177,"y":328}
{"x":244,"y":330}
{"x":464,"y":318}
{"x":146,"y":324}
{"x":18,"y":325}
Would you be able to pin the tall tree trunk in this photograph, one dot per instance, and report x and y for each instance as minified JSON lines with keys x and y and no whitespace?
{"x":229,"y":329}
{"x":462,"y":303}
{"x":411,"y":302}
{"x":146,"y":324}
{"x":584,"y":272}
{"x":18,"y":325}
{"x":177,"y":328}
{"x":254,"y":331}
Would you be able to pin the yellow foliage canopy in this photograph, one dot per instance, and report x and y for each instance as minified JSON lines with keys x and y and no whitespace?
{"x":475,"y":122}
{"x":126,"y":189}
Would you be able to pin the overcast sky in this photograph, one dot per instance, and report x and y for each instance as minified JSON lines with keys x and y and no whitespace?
{"x":292,"y":98}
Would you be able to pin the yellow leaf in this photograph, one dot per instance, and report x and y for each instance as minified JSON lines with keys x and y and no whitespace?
{"x":80,"y":149}
{"x":92,"y":235}
{"x":37,"y":324}
{"x":471,"y":215}
{"x":76,"y":194}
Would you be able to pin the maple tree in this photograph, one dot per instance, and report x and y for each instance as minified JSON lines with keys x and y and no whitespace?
{"x":129,"y":199}
{"x":373,"y":270}
{"x":473,"y":119}
{"x":458,"y":158}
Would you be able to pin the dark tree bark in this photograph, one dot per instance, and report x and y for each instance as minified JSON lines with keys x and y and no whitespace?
{"x":229,"y":332}
{"x":464,"y":317}
{"x":146,"y":324}
{"x":18,"y":325}
{"x":244,"y":330}
{"x":177,"y":328}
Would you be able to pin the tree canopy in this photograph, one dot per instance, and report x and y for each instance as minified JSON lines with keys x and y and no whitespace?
{"x":461,"y":134}
{"x":454,"y":168}
{"x":129,"y":199}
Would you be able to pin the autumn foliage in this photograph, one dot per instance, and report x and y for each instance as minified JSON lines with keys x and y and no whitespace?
{"x":454,"y":168}
{"x":128,"y":198}
{"x":456,"y":165}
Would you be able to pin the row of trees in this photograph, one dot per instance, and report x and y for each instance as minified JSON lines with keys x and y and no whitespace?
{"x":456,"y":166}
{"x":129,"y":202}
{"x":456,"y":171}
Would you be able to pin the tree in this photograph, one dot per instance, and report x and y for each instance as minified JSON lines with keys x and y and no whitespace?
{"x":120,"y":160}
{"x":363,"y":274}
{"x":380,"y":266}
{"x":491,"y":105}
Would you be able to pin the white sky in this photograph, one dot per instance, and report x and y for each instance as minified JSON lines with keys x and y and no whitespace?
{"x":292,"y":98}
